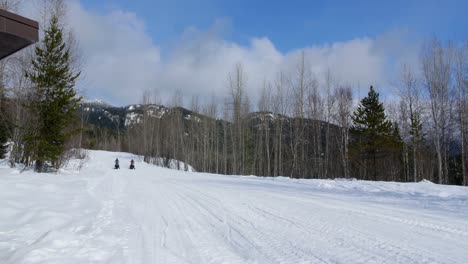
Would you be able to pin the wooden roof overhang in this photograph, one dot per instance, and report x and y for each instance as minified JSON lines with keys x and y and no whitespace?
{"x":16,"y":33}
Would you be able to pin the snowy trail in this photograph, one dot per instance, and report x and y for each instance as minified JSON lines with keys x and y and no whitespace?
{"x":156,"y":215}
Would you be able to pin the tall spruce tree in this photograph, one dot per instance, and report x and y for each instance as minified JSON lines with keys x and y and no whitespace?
{"x":54,"y":100}
{"x":374,"y":132}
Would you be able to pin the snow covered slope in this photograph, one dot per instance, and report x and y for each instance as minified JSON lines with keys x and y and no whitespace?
{"x":157,"y":215}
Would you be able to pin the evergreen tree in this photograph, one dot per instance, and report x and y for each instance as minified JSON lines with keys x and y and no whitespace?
{"x":54,"y":99}
{"x":373,"y":130}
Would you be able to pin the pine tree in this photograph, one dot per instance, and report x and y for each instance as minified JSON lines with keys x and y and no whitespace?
{"x":373,"y":130}
{"x":54,"y":99}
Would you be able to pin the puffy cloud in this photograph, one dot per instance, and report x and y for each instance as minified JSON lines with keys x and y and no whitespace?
{"x":122,"y":60}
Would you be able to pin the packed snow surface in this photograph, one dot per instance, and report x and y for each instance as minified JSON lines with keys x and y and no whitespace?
{"x":157,"y":215}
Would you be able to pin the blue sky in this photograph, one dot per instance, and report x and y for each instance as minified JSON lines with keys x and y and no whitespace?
{"x":191,"y":47}
{"x":295,"y":24}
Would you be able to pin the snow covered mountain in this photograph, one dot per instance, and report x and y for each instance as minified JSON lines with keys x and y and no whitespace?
{"x":101,"y":114}
{"x":158,"y":215}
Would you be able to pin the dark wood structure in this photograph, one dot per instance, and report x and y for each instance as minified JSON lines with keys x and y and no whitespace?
{"x":16,"y":32}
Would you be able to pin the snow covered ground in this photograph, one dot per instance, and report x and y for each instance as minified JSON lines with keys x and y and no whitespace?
{"x":157,"y":215}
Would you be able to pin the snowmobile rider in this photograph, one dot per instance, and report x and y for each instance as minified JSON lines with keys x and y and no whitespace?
{"x":132,"y":164}
{"x":117,"y":166}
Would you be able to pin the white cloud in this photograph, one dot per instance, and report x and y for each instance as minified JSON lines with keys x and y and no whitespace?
{"x":122,"y":60}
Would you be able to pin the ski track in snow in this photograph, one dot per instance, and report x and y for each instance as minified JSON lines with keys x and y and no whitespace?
{"x":157,"y":215}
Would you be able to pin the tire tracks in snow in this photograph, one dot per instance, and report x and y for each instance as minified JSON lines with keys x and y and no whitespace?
{"x":265,"y":244}
{"x":358,"y":245}
{"x":402,"y":252}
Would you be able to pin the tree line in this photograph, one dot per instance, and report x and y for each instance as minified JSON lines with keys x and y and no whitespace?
{"x":305,"y":128}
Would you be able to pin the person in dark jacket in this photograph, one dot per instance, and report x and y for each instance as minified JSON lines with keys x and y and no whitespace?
{"x":117,"y":166}
{"x":132,"y":164}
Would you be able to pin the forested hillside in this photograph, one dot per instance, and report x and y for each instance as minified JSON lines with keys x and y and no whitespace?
{"x":267,"y":144}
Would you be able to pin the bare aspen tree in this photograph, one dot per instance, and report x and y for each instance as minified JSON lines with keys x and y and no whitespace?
{"x":410,"y":113}
{"x":212,"y":138}
{"x":342,"y":116}
{"x":329,"y":106}
{"x":301,"y":83}
{"x":19,"y":115}
{"x":157,"y":120}
{"x":192,"y":137}
{"x":237,"y":83}
{"x":84,"y":117}
{"x":315,"y":113}
{"x":246,"y":155}
{"x":205,"y":137}
{"x":178,"y":134}
{"x":197,"y":136}
{"x":461,"y":83}
{"x":264,"y":138}
{"x":400,"y":116}
{"x":267,"y":130}
{"x":226,"y":136}
{"x":258,"y":159}
{"x":436,"y":75}
{"x":279,"y":102}
{"x":147,"y":126}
